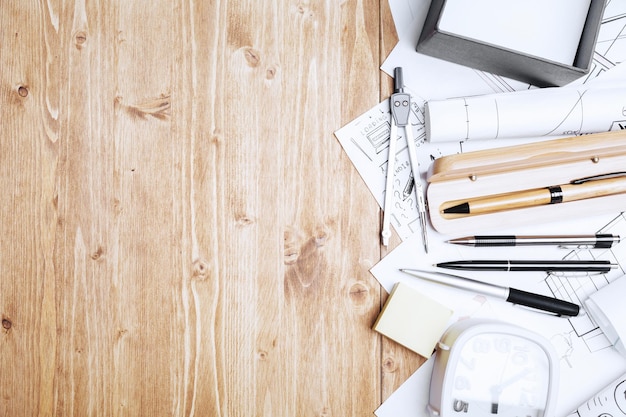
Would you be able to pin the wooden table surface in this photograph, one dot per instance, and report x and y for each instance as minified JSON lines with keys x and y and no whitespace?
{"x":182,"y":234}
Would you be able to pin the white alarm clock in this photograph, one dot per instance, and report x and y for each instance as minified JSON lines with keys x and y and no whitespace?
{"x":489,"y":368}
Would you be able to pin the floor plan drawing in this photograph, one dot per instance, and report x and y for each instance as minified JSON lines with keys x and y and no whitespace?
{"x":611,"y":44}
{"x":577,"y":289}
{"x":367,"y":141}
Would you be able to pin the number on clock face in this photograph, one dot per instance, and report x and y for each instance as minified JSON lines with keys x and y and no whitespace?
{"x":500,"y":375}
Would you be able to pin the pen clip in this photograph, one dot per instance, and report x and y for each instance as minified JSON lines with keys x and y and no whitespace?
{"x":599,"y":177}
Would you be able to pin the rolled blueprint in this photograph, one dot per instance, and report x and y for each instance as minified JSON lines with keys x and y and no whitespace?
{"x":557,"y":111}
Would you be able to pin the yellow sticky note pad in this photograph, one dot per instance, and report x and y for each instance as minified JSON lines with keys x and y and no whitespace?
{"x":413,"y":319}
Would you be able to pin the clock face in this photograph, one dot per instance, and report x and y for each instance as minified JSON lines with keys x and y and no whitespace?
{"x":497,"y":374}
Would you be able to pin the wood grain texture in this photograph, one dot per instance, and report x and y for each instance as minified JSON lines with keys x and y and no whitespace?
{"x":182,"y":233}
{"x":398,"y":363}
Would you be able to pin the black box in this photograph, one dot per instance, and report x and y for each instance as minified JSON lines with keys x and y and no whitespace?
{"x":507,"y":62}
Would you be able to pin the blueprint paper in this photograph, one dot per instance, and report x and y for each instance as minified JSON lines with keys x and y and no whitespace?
{"x":611,"y":43}
{"x":543,"y":112}
{"x":539,"y":26}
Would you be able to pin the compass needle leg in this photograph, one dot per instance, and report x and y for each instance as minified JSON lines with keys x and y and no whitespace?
{"x":393,"y":138}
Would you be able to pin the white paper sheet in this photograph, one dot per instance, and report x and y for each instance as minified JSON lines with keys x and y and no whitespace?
{"x":411,"y":398}
{"x":611,"y":401}
{"x":404,"y":12}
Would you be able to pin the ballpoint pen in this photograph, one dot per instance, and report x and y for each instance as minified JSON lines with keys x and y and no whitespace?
{"x":512,"y":295}
{"x":580,"y":189}
{"x":597,"y":241}
{"x":400,"y":106}
{"x":596,"y":266}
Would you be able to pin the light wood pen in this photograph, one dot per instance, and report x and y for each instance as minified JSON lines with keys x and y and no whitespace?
{"x":584,"y":188}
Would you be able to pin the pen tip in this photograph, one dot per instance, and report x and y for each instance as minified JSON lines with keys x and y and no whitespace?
{"x":462,"y":208}
{"x":457,"y":240}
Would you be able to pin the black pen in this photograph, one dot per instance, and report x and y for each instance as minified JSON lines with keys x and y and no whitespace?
{"x":597,"y":241}
{"x":596,"y":266}
{"x":512,"y":295}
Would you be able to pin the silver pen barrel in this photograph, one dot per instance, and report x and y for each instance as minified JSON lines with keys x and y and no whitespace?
{"x":461,"y":282}
{"x":512,"y":295}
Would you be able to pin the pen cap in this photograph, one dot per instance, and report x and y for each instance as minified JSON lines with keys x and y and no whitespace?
{"x":608,"y":310}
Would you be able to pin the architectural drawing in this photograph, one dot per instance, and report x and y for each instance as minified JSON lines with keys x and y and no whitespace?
{"x":611,"y":44}
{"x":367,"y":142}
{"x":577,"y":289}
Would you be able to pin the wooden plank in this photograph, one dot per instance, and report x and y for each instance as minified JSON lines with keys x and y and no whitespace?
{"x":184,"y":234}
{"x":397,"y":362}
{"x":29,"y":131}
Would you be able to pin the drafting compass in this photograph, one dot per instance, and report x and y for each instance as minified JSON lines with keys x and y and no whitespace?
{"x":400,"y":106}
